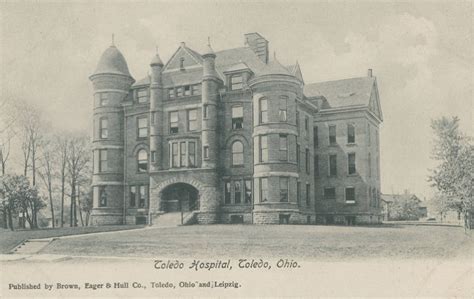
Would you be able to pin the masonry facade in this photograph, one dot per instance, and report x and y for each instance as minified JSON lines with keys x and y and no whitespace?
{"x":233,"y":137}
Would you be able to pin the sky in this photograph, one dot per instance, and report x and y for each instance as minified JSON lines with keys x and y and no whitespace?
{"x":421,"y":54}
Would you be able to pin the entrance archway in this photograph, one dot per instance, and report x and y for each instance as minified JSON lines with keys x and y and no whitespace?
{"x":180,"y":197}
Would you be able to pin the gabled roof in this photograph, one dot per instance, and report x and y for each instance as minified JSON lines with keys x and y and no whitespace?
{"x":230,"y":57}
{"x":344,"y":93}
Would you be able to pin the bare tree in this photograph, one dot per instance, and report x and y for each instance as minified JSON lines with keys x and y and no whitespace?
{"x":7,"y":132}
{"x":62,"y":143}
{"x":46,"y":172}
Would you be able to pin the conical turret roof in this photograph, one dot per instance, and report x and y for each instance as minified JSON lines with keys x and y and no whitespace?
{"x":274,"y":67}
{"x":112,"y":62}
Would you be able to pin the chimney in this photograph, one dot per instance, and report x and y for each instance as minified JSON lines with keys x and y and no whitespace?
{"x":369,"y":73}
{"x":258,"y":44}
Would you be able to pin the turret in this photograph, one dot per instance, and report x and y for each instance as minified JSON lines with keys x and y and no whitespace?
{"x":111,"y":82}
{"x":156,"y":114}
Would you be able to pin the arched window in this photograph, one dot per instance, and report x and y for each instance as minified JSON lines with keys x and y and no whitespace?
{"x":142,"y":160}
{"x":237,"y":153}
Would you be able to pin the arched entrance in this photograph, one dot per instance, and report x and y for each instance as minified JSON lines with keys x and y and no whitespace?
{"x":180,"y":197}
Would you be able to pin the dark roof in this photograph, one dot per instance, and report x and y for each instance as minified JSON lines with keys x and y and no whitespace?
{"x":112,"y":62}
{"x":342,"y":93}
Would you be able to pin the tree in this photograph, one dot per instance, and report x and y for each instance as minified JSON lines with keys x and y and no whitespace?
{"x":453,"y":176}
{"x":46,"y":172}
{"x":7,"y":132}
{"x":62,"y":143}
{"x":405,"y":207}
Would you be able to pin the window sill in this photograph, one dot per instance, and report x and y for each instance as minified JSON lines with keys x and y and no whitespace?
{"x":350,"y":202}
{"x":351,"y":144}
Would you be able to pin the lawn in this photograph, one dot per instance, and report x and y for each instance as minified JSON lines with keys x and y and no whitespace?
{"x":10,"y":239}
{"x":275,"y":241}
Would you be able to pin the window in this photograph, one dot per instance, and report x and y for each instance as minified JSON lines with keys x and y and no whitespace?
{"x":133,"y":195}
{"x":192,"y":120}
{"x":248,"y":191}
{"x":174,"y":155}
{"x":237,"y":117}
{"x":171,"y":94}
{"x":236,"y":82}
{"x":332,"y":135}
{"x":181,"y":63}
{"x":103,"y":160}
{"x":332,"y":165}
{"x":368,"y":134}
{"x":142,"y":127}
{"x":104,"y":132}
{"x":298,"y":156}
{"x":227,"y":192}
{"x":369,"y":166}
{"x":182,"y":154}
{"x":179,"y":92}
{"x":263,"y":189}
{"x":308,"y":161}
{"x":308,"y":193}
{"x":205,"y":111}
{"x":283,"y":103}
{"x":283,"y":189}
{"x":187,"y":90}
{"x":103,"y":99}
{"x":297,"y":120}
{"x":351,"y":163}
{"x":191,"y":154}
{"x":315,"y":137}
{"x":237,"y":192}
{"x":263,"y":155}
{"x":263,"y":110}
{"x":237,"y":153}
{"x":350,"y":133}
{"x":350,"y":195}
{"x":298,"y":192}
{"x":153,"y":156}
{"x":283,"y":148}
{"x":142,"y":160}
{"x":142,"y":194}
{"x":196,"y":89}
{"x":102,"y":196}
{"x":330,"y":193}
{"x":316,"y":165}
{"x":174,"y":122}
{"x":206,"y":152}
{"x":142,"y":95}
{"x":306,"y":125}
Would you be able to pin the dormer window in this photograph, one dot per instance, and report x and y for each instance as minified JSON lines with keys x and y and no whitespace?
{"x":179,"y":92}
{"x":187,"y":90}
{"x":142,"y":96}
{"x":181,"y":63}
{"x":171,"y":93}
{"x":236,"y":82}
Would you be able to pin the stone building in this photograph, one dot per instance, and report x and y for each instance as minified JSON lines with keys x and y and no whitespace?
{"x":232,"y":137}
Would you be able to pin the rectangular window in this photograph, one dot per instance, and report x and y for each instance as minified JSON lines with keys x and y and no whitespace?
{"x":315,"y":137}
{"x":102,"y":196}
{"x":103,"y":160}
{"x":263,"y":149}
{"x":263,"y":110}
{"x":142,"y":127}
{"x":236,"y":82}
{"x":368,"y":134}
{"x":332,"y":135}
{"x":196,"y":89}
{"x":297,"y":120}
{"x":142,"y":198}
{"x":308,"y":193}
{"x":205,"y":150}
{"x":182,"y":154}
{"x":104,"y":131}
{"x":142,"y":95}
{"x":103,"y":99}
{"x":282,"y":113}
{"x":263,"y":189}
{"x":298,"y":156}
{"x":205,"y":111}
{"x":237,"y":192}
{"x":330,"y":193}
{"x":350,"y":133}
{"x":350,"y":195}
{"x":153,"y":156}
{"x":179,"y":92}
{"x":191,"y":154}
{"x":174,"y":155}
{"x":192,"y":120}
{"x":316,"y":165}
{"x":174,"y":122}
{"x":187,"y":90}
{"x":133,"y":196}
{"x":369,"y":166}
{"x":333,"y":165}
{"x":248,"y":191}
{"x":308,"y":161}
{"x":283,"y":148}
{"x":351,"y":163}
{"x":227,"y":191}
{"x":298,"y":192}
{"x":237,"y":117}
{"x":171,"y":94}
{"x":306,"y":125}
{"x":283,"y":189}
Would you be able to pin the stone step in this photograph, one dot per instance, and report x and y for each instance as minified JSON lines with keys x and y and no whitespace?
{"x":31,"y":246}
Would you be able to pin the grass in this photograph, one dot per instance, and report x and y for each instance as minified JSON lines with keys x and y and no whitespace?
{"x":275,"y":241}
{"x":10,"y":239}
